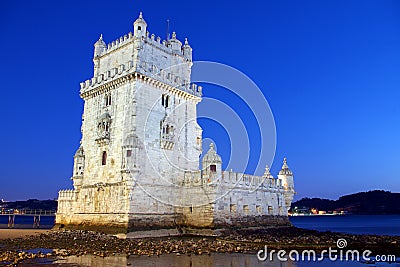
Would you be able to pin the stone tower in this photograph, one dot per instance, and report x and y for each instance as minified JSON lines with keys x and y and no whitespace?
{"x":135,"y":135}
{"x":137,"y":167}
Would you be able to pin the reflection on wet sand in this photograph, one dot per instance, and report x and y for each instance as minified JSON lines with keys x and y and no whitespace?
{"x":170,"y":260}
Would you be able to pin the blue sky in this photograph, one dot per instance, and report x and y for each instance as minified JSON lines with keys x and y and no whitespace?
{"x":329,"y":70}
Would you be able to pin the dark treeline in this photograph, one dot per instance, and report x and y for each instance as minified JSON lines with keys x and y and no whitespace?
{"x":30,"y":204}
{"x":371,"y":202}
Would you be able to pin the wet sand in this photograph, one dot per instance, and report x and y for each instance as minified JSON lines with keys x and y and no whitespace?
{"x":15,"y":233}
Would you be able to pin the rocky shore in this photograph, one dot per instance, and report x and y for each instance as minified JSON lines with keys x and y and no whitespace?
{"x":66,"y":243}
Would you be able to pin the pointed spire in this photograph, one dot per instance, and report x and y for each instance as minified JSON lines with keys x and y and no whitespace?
{"x":99,"y":47}
{"x":212,"y":146}
{"x":100,"y":41}
{"x":173,"y":35}
{"x":285,"y":169}
{"x":186,"y":45}
{"x":285,"y":163}
{"x":267,"y":173}
{"x":187,"y":50}
{"x":140,"y":19}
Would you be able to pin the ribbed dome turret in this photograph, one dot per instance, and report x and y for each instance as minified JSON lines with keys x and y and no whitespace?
{"x":140,"y":20}
{"x":285,"y":169}
{"x":212,"y":155}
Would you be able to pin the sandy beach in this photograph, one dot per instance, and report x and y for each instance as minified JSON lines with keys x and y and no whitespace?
{"x":14,"y":233}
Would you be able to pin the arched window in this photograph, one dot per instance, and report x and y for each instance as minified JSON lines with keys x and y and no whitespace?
{"x":107,"y":100}
{"x":165,"y":100}
{"x":139,"y":28}
{"x":104,"y":158}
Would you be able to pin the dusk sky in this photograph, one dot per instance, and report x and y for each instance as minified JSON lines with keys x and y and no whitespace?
{"x":329,"y":69}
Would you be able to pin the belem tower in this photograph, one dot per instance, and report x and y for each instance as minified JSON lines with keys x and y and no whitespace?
{"x":137,"y":167}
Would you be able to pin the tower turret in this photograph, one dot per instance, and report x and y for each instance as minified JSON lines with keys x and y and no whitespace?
{"x":99,"y":47}
{"x":79,"y":167}
{"x":174,"y":43}
{"x":211,"y":164}
{"x":187,"y":50}
{"x":139,"y":26}
{"x":286,"y":177}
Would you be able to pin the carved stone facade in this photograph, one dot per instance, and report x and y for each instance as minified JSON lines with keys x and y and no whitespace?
{"x":137,"y":167}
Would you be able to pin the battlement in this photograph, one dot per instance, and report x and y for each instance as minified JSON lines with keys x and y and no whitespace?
{"x":250,"y":182}
{"x":121,"y":41}
{"x":66,"y":195}
{"x":234,"y":180}
{"x":150,"y":39}
{"x":163,"y":76}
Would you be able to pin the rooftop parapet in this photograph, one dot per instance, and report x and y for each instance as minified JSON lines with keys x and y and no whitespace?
{"x":237,"y":180}
{"x":172,"y":46}
{"x":250,"y":182}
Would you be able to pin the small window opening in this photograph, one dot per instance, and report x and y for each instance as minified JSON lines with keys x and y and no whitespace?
{"x":165,"y":100}
{"x":213,"y":168}
{"x":233,"y":208}
{"x":246,"y":209}
{"x":258,"y":209}
{"x":270,"y":210}
{"x":104,"y":158}
{"x":139,"y":28}
{"x":129,"y":153}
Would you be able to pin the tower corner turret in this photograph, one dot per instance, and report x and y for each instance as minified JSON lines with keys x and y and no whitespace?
{"x":140,"y":27}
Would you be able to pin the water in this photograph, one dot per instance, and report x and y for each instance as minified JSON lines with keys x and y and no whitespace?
{"x":21,"y":222}
{"x":213,"y":260}
{"x":354,"y":224}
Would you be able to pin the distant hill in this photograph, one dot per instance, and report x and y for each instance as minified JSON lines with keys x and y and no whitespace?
{"x":34,"y":204}
{"x":371,"y":202}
